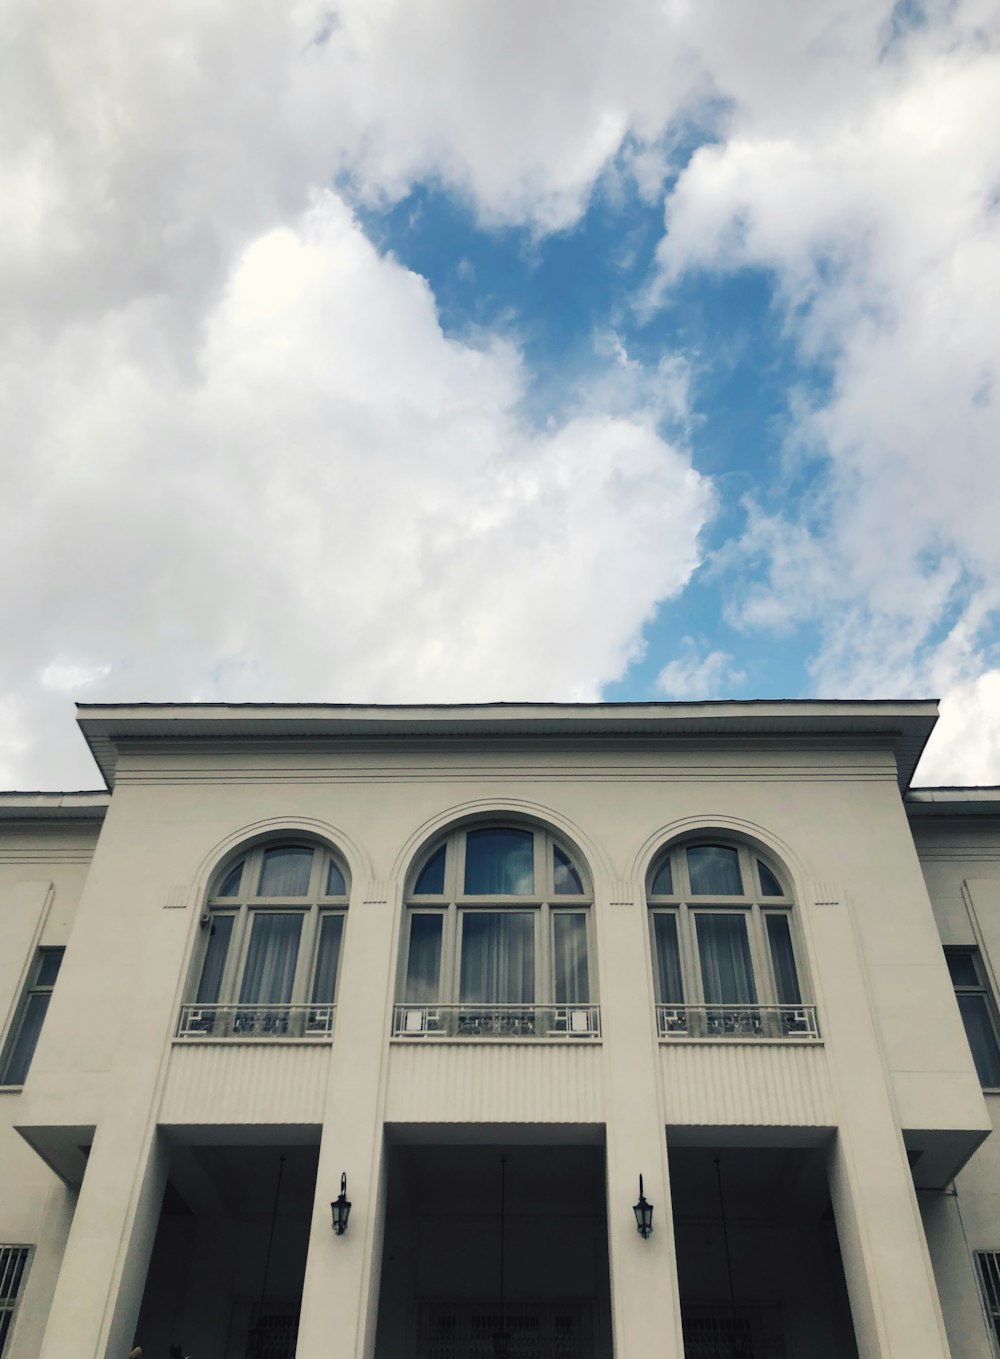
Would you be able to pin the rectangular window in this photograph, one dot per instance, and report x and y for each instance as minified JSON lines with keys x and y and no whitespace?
{"x":670,"y":986}
{"x":975,"y":1005}
{"x":20,"y":1046}
{"x":779,"y":937}
{"x":724,"y":950}
{"x":424,"y":963}
{"x":498,"y":957}
{"x":13,"y":1267}
{"x":569,"y":948}
{"x":269,"y":973}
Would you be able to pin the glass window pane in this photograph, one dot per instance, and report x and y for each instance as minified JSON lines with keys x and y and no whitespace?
{"x":714,"y":871}
{"x":663,"y":883}
{"x":569,"y":949}
{"x":669,"y":986}
{"x":982,"y":1039}
{"x":498,"y":957}
{"x":22,"y":1049}
{"x":499,"y":863}
{"x":423,"y":966}
{"x":431,"y":879}
{"x":962,"y":967}
{"x":786,"y":981}
{"x":48,"y":966}
{"x":567,"y":879}
{"x":220,"y":932}
{"x":335,"y":884}
{"x":231,"y":884}
{"x":285,"y":872}
{"x":270,"y":967}
{"x":724,"y":950}
{"x":331,"y":930}
{"x":769,"y":884}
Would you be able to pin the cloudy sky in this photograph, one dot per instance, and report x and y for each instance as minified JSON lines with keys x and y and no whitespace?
{"x":392,"y":350}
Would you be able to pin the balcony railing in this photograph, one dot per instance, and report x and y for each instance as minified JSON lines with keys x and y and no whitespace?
{"x":737,"y":1021}
{"x":496,"y":1021}
{"x":255,"y":1021}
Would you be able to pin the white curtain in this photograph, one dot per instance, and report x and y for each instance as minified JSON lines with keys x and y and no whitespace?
{"x":423,"y":964}
{"x":270,"y":966}
{"x":569,"y":950}
{"x":498,"y":957}
{"x":286,"y":872}
{"x":726,"y":969}
{"x":783,"y":959}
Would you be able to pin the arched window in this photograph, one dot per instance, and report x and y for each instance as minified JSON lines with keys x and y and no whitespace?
{"x":723,"y":941}
{"x":497,"y":939}
{"x":272,"y":940}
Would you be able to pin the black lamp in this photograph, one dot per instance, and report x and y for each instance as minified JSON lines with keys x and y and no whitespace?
{"x":643,"y":1214}
{"x":341,"y":1207}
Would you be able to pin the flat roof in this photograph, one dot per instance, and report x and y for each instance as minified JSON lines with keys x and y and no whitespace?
{"x":30,"y":806}
{"x":981,"y":800}
{"x":904,"y":726}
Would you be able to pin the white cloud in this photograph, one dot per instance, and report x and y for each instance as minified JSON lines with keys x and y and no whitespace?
{"x":878,"y":219}
{"x":247,"y":456}
{"x":64,"y":677}
{"x":965,"y":746}
{"x":693,"y":676}
{"x":333,"y":500}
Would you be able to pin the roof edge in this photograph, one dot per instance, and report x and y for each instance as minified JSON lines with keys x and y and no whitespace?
{"x":905,"y":724}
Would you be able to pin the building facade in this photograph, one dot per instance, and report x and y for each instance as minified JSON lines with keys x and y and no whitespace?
{"x":474,"y":971}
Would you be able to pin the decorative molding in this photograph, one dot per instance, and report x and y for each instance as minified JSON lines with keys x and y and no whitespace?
{"x":826,"y":893}
{"x":46,"y":856}
{"x":177,"y":897}
{"x":377,"y":892}
{"x":622,"y":893}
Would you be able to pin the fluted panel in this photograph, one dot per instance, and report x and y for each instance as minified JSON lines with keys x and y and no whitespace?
{"x":495,"y":1083}
{"x":746,"y":1084}
{"x":246,"y":1083}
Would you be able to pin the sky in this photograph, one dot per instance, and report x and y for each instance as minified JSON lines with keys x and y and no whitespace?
{"x":413,"y":351}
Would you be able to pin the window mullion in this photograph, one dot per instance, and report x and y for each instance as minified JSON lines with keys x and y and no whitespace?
{"x":760,"y":957}
{"x":690,"y":958}
{"x":545,"y":982}
{"x":450,"y":955}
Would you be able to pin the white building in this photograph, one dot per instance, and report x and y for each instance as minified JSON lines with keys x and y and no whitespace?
{"x":493,"y":963}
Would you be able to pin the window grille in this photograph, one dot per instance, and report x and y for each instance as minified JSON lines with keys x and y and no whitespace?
{"x":988,"y":1262}
{"x":533,"y":1330}
{"x":13,"y":1266}
{"x":721,"y":1331}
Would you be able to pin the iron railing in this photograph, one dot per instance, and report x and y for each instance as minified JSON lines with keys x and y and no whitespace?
{"x":255,"y":1021}
{"x":737,"y":1021}
{"x":497,"y":1021}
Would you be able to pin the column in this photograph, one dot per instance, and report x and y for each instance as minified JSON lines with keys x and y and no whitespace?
{"x":887,"y":1267}
{"x":645,"y":1299}
{"x":97,"y":1298}
{"x":340,"y":1293}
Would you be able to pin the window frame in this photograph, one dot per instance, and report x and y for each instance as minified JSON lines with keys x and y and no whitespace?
{"x":754,"y":906}
{"x":247,"y":904}
{"x":31,"y":988}
{"x":982,"y":990}
{"x":454,"y":906}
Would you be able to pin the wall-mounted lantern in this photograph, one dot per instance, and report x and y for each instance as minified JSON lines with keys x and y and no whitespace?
{"x":643,"y":1214}
{"x":341,"y":1207}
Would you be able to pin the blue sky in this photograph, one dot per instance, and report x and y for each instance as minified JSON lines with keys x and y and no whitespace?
{"x":413,"y":352}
